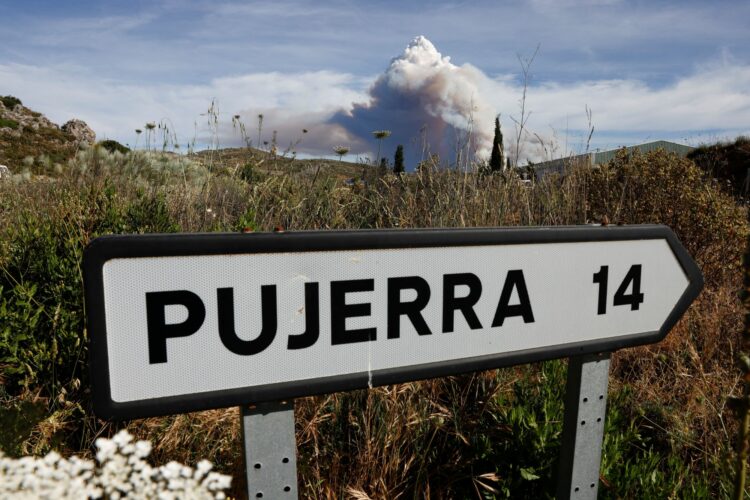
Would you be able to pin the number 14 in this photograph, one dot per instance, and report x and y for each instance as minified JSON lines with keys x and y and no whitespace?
{"x":634,"y":298}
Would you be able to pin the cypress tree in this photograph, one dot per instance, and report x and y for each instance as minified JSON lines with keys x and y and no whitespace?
{"x":398,"y":160}
{"x":496,"y":158}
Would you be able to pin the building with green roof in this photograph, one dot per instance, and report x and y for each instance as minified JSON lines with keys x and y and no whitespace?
{"x":600,"y":157}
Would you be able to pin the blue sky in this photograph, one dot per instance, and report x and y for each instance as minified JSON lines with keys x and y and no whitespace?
{"x":647,"y":70}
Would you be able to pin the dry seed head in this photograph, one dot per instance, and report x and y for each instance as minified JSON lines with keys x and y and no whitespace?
{"x":381,"y":134}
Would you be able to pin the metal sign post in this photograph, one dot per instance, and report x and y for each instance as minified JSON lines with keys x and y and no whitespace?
{"x":270,"y":449}
{"x":583,"y":427}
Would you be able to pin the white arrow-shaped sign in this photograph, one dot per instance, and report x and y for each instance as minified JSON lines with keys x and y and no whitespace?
{"x":187,"y":322}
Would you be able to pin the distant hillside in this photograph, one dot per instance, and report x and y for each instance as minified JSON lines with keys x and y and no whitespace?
{"x":263,"y":162}
{"x":26,"y":133}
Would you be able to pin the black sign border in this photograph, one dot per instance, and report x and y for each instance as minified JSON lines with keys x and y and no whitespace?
{"x":105,"y":248}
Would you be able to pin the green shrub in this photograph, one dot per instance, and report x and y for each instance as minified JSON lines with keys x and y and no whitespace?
{"x":41,"y":303}
{"x":9,"y":101}
{"x":149,"y":214}
{"x":247,"y":173}
{"x":7,"y":122}
{"x":728,"y":162}
{"x":526,"y":430}
{"x":642,"y":459}
{"x":17,"y":422}
{"x":43,"y":341}
{"x":111,"y":145}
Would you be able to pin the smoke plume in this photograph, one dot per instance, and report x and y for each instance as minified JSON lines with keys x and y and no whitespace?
{"x":429,"y":104}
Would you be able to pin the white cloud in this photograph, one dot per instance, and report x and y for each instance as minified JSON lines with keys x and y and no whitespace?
{"x":715,"y":98}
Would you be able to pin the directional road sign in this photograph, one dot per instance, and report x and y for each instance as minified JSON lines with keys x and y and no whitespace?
{"x":195,"y":321}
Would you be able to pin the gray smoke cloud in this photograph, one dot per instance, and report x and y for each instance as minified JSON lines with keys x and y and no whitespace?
{"x":427,"y":102}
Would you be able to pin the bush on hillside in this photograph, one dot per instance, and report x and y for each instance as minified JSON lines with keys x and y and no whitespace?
{"x":663,"y":188}
{"x":111,"y":145}
{"x":9,"y":101}
{"x":727,"y":162}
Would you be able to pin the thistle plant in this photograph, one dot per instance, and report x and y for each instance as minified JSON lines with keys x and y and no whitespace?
{"x":168,"y":136}
{"x":380,"y":135}
{"x":212,"y":118}
{"x":293,"y":145}
{"x":150,"y":126}
{"x":341,"y":151}
{"x":237,"y":124}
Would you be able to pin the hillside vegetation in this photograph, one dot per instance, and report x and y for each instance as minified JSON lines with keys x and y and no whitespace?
{"x":28,"y":136}
{"x":727,"y":161}
{"x":494,"y":434}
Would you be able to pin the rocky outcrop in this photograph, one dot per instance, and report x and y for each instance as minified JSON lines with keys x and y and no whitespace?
{"x":26,"y":135}
{"x":80,"y":131}
{"x":18,"y":118}
{"x":14,"y":120}
{"x":4,"y":172}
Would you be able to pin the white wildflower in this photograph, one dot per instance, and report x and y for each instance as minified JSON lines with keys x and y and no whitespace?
{"x":106,"y":449}
{"x":186,"y":471}
{"x":121,"y":472}
{"x":171,"y":470}
{"x":202,"y":468}
{"x":52,"y":458}
{"x":122,"y":438}
{"x":142,"y":449}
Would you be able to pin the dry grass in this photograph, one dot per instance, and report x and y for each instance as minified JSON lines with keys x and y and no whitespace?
{"x":432,"y":439}
{"x":690,"y":376}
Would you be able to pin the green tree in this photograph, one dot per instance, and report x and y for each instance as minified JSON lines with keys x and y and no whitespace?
{"x":398,"y":160}
{"x":10,"y":101}
{"x":497,"y":156}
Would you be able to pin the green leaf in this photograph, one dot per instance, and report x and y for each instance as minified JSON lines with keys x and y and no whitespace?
{"x":528,"y":474}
